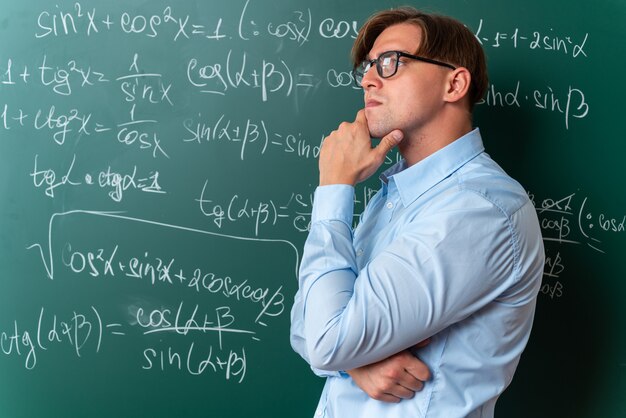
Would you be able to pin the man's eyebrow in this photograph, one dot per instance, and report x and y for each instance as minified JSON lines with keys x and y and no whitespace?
{"x":406,"y":51}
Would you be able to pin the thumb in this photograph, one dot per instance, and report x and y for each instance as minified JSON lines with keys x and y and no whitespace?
{"x":388,"y":142}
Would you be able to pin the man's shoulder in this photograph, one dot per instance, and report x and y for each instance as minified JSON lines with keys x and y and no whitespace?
{"x":485,"y":178}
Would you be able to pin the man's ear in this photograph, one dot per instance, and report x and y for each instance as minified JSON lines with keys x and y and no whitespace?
{"x":458,"y":86}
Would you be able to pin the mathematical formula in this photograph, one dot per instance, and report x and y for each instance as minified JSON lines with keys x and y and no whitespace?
{"x":569,"y":221}
{"x":549,"y":40}
{"x":87,"y":331}
{"x":106,"y":263}
{"x":78,"y":20}
{"x":570,"y":104}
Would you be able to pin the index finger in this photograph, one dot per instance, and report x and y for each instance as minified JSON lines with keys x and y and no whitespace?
{"x":410,"y":382}
{"x":418,"y":370}
{"x":360,"y":116}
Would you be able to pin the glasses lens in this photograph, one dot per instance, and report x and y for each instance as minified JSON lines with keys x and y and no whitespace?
{"x":357,"y":76}
{"x":387,"y":64}
{"x":360,"y":71}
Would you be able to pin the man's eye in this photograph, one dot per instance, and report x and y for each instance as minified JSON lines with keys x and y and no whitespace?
{"x":389,"y":62}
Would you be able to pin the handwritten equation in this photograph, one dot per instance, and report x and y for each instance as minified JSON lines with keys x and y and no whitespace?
{"x":294,"y":209}
{"x":106,"y":263}
{"x":212,"y":322}
{"x":297,"y":27}
{"x":49,"y":179}
{"x":569,"y":104}
{"x":87,"y":331}
{"x":550,"y":40}
{"x":208,"y":74}
{"x":75,"y":330}
{"x":250,"y":136}
{"x":569,"y":220}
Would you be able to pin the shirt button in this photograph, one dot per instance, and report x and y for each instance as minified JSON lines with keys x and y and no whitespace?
{"x":359,"y":252}
{"x":389,"y":205}
{"x":318,"y":413}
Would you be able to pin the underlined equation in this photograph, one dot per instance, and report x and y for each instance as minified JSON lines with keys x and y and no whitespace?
{"x":115,"y":183}
{"x":237,"y":70}
{"x":545,"y":39}
{"x":571,"y":220}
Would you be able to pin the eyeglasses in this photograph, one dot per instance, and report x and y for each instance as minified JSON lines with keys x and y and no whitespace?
{"x":387,"y":65}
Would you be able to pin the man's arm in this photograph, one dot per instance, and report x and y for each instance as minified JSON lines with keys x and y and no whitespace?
{"x":401,"y":373}
{"x":423,"y":281}
{"x":394,"y":378}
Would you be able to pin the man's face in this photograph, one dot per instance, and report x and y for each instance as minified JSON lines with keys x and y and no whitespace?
{"x":410,"y":99}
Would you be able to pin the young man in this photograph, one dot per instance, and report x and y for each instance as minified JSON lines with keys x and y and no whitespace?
{"x":446,"y":262}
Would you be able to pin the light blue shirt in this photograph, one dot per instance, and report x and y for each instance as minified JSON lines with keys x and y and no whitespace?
{"x":449,"y":248}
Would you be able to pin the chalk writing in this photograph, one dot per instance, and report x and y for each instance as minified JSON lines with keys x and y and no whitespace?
{"x":105,"y":263}
{"x":569,"y":221}
{"x":48,"y":261}
{"x":116,"y":183}
{"x":296,"y":29}
{"x":329,"y":28}
{"x":140,"y":86}
{"x":237,"y":208}
{"x":249,"y":136}
{"x":87,"y":330}
{"x":569,"y":104}
{"x":77,"y":20}
{"x":546,"y":40}
{"x":234,"y":72}
{"x":76,"y":330}
{"x":338,"y":78}
{"x":194,"y":323}
{"x":233,"y":364}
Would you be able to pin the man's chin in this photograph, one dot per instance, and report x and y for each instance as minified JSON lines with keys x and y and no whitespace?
{"x":377,"y":131}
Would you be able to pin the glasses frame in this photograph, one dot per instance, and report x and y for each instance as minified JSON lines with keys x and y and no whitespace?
{"x":356,"y":74}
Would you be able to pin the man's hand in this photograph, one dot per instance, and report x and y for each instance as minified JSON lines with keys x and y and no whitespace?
{"x":393,"y":379}
{"x":347,"y":156}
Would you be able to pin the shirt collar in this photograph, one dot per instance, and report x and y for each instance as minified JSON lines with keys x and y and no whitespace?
{"x":414,"y":181}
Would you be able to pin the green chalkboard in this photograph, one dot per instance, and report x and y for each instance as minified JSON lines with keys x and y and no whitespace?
{"x":157,"y":166}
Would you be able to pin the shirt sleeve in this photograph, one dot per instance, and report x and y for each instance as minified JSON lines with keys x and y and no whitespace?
{"x":333,"y":202}
{"x":439,"y":270}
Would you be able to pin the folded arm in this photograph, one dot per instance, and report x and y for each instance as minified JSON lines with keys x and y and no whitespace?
{"x":436,"y":273}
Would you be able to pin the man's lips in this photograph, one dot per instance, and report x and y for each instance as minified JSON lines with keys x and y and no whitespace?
{"x":371,"y":103}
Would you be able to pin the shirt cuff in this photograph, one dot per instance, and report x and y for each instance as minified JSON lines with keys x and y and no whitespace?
{"x":333,"y":202}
